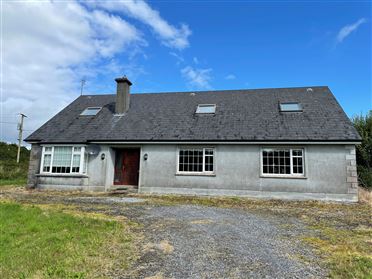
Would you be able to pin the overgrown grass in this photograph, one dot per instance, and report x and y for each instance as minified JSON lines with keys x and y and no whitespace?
{"x":47,"y":243}
{"x":347,"y":252}
{"x":341,"y":233}
{"x":13,"y":182}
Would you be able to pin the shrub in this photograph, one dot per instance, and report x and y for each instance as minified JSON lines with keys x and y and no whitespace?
{"x":363,"y":124}
{"x":9,"y":168}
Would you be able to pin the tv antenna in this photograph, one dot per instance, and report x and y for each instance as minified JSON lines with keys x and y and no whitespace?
{"x":82,"y":86}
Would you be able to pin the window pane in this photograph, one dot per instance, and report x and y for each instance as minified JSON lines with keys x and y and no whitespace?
{"x":62,"y":159}
{"x":206,"y":109}
{"x":91,"y":111}
{"x":276,"y":161}
{"x":191,"y":160}
{"x":48,"y":149}
{"x":75,"y":163}
{"x":297,"y":161}
{"x":47,"y":161}
{"x":290,"y":107}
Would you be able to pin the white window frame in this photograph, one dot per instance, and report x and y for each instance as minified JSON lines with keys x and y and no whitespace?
{"x":204,"y":172}
{"x":205,"y":105}
{"x":281,"y":107}
{"x":285,"y":175}
{"x":82,"y":154}
{"x":89,"y":108}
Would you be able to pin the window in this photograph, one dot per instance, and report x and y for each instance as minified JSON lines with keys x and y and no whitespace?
{"x":206,"y":109}
{"x":63,"y":159}
{"x":284,"y":162}
{"x":290,"y":107}
{"x":91,"y":111}
{"x":197,"y":160}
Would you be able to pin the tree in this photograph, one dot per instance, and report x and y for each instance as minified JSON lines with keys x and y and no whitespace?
{"x":363,"y":124}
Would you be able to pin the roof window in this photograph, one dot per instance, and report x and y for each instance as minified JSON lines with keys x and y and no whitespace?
{"x":91,"y":111}
{"x":205,"y":108}
{"x":290,"y":107}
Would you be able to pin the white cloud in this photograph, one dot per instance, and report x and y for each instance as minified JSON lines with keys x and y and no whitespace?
{"x":348,"y":29}
{"x":178,"y":57}
{"x":48,"y":46}
{"x":197,"y":78}
{"x":196,"y":60}
{"x":171,"y":36}
{"x":230,"y":77}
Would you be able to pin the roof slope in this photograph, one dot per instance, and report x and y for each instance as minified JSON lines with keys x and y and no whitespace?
{"x":241,"y":115}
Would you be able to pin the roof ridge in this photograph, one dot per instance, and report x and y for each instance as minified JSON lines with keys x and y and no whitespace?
{"x":213,"y":91}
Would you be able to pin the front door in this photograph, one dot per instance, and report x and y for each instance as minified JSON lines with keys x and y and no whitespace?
{"x":126,"y":167}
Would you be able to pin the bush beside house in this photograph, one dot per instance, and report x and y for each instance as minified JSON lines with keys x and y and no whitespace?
{"x":10,"y":171}
{"x":364,"y":151}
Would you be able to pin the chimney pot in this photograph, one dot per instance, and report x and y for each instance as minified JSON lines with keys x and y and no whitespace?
{"x":122,"y":94}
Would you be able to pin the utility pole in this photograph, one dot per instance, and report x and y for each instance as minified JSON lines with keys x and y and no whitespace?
{"x":20,"y":129}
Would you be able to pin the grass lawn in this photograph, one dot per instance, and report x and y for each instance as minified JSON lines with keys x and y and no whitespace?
{"x":48,"y":243}
{"x":13,"y":182}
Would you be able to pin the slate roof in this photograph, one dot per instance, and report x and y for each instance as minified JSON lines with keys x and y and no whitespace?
{"x":241,"y":115}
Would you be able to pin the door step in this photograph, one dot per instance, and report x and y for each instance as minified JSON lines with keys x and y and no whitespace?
{"x":123,"y":190}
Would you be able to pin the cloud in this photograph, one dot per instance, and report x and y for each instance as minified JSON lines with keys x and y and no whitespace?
{"x":171,"y":36}
{"x":230,"y":77}
{"x":48,"y":46}
{"x":195,"y":60}
{"x":197,"y":78}
{"x":178,"y":57}
{"x":348,"y":29}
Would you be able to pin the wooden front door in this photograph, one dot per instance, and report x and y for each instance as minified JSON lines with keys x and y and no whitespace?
{"x":126,"y":167}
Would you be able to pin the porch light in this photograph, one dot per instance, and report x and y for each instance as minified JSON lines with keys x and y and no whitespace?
{"x":103,"y":156}
{"x":145,"y":156}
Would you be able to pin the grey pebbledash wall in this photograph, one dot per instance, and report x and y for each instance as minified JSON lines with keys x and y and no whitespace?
{"x":330,"y":173}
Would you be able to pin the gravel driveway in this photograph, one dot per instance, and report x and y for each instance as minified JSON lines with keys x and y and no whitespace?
{"x":207,"y":242}
{"x":189,"y":241}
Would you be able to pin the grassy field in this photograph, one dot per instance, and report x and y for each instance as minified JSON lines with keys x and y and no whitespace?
{"x":48,"y":243}
{"x":13,"y":181}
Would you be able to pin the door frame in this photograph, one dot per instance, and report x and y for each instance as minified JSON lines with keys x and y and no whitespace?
{"x":123,"y":147}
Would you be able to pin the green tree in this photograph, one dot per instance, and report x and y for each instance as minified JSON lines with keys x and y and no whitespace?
{"x":364,"y":151}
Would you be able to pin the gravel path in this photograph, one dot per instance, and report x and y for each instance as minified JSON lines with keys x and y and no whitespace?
{"x":207,"y":242}
{"x":187,"y":241}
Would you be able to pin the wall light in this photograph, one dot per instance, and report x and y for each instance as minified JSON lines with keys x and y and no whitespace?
{"x":103,"y":156}
{"x":145,"y":156}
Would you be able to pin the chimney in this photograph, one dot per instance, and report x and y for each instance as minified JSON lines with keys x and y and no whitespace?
{"x":122,"y":95}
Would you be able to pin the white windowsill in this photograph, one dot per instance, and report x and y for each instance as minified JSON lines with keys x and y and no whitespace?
{"x":283,"y":176}
{"x":62,"y":175}
{"x":195,"y":174}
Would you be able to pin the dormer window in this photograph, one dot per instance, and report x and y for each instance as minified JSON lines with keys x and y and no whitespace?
{"x":206,"y":108}
{"x":290,"y":107}
{"x":91,"y":111}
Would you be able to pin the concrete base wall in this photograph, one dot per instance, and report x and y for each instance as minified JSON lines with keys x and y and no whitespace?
{"x":252,"y":194}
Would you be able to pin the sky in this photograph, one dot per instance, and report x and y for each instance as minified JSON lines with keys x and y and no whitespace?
{"x":48,"y":47}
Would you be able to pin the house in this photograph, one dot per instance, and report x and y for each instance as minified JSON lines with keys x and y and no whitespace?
{"x":290,"y":143}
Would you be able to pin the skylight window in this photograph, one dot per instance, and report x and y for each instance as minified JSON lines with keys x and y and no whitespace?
{"x":91,"y":111}
{"x":206,"y":109}
{"x":290,"y":107}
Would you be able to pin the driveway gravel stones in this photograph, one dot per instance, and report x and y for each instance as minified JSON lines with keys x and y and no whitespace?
{"x":213,"y":242}
{"x":189,"y":241}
